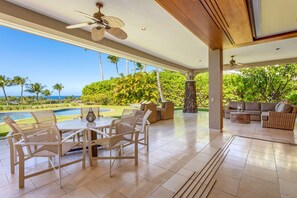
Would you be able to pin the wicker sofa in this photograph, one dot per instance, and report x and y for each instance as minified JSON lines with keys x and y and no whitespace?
{"x":280,"y":119}
{"x":253,"y":108}
{"x":272,"y":115}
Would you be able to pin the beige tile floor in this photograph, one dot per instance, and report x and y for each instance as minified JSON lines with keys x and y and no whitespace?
{"x":253,"y":167}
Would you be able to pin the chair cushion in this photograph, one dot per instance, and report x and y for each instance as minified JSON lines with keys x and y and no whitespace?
{"x":268,"y":106}
{"x":253,"y":106}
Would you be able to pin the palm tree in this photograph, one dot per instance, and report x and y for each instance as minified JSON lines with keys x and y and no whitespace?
{"x":36,"y":88}
{"x":144,"y":67}
{"x":100,"y":64}
{"x":4,"y":82}
{"x":59,"y":88}
{"x":18,"y":80}
{"x":159,"y":85}
{"x":139,"y":67}
{"x":127,"y":67}
{"x":47,"y":93}
{"x":114,"y":60}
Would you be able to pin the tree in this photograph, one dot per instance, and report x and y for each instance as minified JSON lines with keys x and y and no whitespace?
{"x":271,"y":83}
{"x":159,"y":85}
{"x":35,"y":88}
{"x":202,"y":89}
{"x":127,"y":67}
{"x":47,"y":93}
{"x":5,"y":82}
{"x":18,"y":80}
{"x":114,"y":60}
{"x":139,"y":67}
{"x":59,"y":88}
{"x":100,"y":64}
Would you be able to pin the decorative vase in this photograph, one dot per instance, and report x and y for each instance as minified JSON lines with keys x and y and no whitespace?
{"x":91,"y":116}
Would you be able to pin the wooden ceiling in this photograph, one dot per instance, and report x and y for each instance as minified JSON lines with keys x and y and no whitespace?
{"x":220,"y":24}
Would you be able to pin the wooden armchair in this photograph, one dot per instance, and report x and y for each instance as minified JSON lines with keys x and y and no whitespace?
{"x":167,"y":111}
{"x":279,"y":120}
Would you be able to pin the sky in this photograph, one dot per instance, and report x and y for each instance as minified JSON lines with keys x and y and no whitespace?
{"x":49,"y":62}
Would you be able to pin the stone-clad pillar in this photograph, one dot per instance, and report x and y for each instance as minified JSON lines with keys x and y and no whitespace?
{"x":190,"y":102}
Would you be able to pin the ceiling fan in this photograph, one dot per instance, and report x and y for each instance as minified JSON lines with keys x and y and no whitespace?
{"x":232,"y":63}
{"x":102,"y":23}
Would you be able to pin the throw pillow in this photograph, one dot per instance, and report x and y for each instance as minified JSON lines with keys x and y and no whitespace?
{"x":287,"y":108}
{"x":279,"y":107}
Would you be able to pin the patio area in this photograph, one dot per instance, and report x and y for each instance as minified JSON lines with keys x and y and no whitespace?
{"x":179,"y":149}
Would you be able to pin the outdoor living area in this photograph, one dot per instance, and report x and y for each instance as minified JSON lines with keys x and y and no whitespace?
{"x":186,"y":147}
{"x":245,"y":160}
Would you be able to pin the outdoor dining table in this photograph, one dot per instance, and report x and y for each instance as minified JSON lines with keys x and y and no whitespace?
{"x":77,"y":124}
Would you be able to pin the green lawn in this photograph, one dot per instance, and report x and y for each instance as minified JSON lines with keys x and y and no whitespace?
{"x":116,"y":111}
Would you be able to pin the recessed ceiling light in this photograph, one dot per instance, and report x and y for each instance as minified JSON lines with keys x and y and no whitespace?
{"x":143,"y":28}
{"x":277,"y":48}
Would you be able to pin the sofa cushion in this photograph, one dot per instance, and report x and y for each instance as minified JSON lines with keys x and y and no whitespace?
{"x":253,"y":112}
{"x":253,"y":106}
{"x":233,"y":105}
{"x":268,"y":106}
{"x":227,"y":111}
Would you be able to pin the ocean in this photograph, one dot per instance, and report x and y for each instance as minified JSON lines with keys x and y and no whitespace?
{"x":62,"y":97}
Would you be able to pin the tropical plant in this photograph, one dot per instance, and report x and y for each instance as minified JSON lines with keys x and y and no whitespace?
{"x":136,"y":88}
{"x":18,"y":80}
{"x":47,"y":93}
{"x":59,"y":88}
{"x":101,"y":67}
{"x":35,"y":88}
{"x":114,"y":60}
{"x":202,"y":89}
{"x":5,"y":82}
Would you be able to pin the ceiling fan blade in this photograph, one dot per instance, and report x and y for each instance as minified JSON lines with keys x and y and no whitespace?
{"x":117,"y":32}
{"x":87,"y":15}
{"x":79,"y":25}
{"x":97,"y":34}
{"x":113,"y":21}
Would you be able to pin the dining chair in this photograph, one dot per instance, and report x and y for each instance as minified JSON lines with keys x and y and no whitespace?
{"x":47,"y":142}
{"x":44,"y":116}
{"x":125,"y":133}
{"x":14,"y":136}
{"x":143,"y":127}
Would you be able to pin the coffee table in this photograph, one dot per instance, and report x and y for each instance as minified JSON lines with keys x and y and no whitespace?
{"x":240,"y":117}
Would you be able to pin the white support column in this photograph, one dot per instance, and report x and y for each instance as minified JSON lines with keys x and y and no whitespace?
{"x":215,"y":60}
